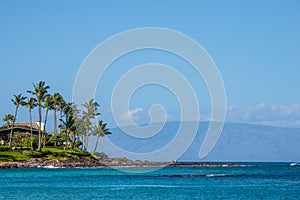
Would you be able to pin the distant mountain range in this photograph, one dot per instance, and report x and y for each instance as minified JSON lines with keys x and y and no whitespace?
{"x":237,"y":143}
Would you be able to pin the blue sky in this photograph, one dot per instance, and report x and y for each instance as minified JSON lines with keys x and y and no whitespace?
{"x":255,"y":45}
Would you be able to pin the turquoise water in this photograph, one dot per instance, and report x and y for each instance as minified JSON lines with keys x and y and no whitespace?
{"x":252,"y":181}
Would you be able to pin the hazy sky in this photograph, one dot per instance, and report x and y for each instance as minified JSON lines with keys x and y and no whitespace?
{"x":255,"y":45}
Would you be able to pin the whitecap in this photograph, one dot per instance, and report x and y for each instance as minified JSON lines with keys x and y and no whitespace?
{"x":215,"y":175}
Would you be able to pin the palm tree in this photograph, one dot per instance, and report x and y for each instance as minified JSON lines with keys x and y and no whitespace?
{"x":31,"y":103}
{"x":61,"y":108}
{"x":8,"y":118}
{"x":48,"y":105}
{"x":100,"y":130}
{"x":57,"y":101}
{"x":40,"y":91}
{"x":74,"y":132}
{"x":80,"y":128}
{"x":68,"y":125}
{"x":91,"y":112}
{"x":18,"y":100}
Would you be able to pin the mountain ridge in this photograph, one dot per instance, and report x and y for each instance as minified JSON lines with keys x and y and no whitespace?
{"x":238,"y":142}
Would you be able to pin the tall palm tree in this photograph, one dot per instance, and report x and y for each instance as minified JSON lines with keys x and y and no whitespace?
{"x":31,"y":103}
{"x":40,"y":91}
{"x":8,"y":118}
{"x":57,"y":101}
{"x":100,"y":130}
{"x":48,"y":105}
{"x":90,"y":112}
{"x":18,"y":100}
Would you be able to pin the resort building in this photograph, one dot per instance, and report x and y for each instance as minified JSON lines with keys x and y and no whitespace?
{"x":23,"y":128}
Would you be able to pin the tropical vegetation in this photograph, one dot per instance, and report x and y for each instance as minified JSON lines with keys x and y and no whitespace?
{"x":71,"y":130}
{"x":18,"y":100}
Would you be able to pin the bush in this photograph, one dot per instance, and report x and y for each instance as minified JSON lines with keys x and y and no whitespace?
{"x":34,"y":153}
{"x":27,"y":142}
{"x":78,"y":152}
{"x":58,"y":139}
{"x":77,"y":144}
{"x":4,"y":148}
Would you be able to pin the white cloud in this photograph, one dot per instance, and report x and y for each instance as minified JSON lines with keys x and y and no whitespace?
{"x":261,"y":105}
{"x":262,"y":113}
{"x":265,"y":114}
{"x":132,"y":114}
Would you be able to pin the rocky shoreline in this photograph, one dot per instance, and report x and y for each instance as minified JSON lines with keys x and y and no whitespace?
{"x":101,"y":162}
{"x":42,"y":162}
{"x":82,"y":163}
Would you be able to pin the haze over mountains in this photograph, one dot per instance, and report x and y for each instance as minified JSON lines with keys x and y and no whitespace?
{"x":237,"y":143}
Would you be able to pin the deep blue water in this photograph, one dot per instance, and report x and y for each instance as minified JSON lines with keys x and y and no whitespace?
{"x":252,"y":181}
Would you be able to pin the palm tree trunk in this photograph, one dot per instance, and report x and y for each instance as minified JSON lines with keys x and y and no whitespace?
{"x":85,"y":145}
{"x":66,"y":141}
{"x":44,"y":131}
{"x":55,"y":123}
{"x":96,"y":145}
{"x":40,"y":124}
{"x":12,"y":128}
{"x":30,"y":130}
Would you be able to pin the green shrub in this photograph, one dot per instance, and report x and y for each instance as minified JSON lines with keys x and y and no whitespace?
{"x":77,"y":144}
{"x":58,"y":139}
{"x":27,"y":142}
{"x":61,"y":158}
{"x":78,"y":152}
{"x":4,"y":148}
{"x":33,"y":154}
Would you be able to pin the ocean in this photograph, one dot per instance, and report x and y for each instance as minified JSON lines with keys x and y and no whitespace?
{"x":247,"y":181}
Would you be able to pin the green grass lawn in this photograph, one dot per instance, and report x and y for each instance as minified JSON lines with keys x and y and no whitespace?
{"x":53,"y":153}
{"x":12,"y":156}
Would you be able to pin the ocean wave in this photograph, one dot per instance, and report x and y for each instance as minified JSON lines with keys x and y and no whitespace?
{"x":294,"y":164}
{"x":49,"y":167}
{"x":215,"y":175}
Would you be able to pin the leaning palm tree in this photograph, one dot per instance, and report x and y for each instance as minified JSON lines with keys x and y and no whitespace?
{"x":57,"y":101}
{"x":18,"y":100}
{"x":99,"y":130}
{"x":31,"y":103}
{"x":40,"y":91}
{"x":8,"y":118}
{"x":90,"y":112}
